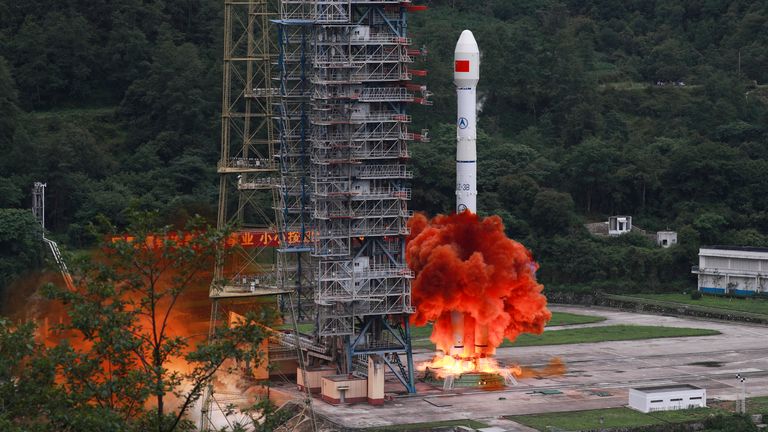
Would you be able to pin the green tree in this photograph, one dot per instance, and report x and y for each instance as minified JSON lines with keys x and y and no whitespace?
{"x":9,"y":110}
{"x":552,"y":212}
{"x":10,"y":117}
{"x":124,"y":308}
{"x":21,"y":378}
{"x":55,"y":57}
{"x":171,"y":105}
{"x":591,"y":166}
{"x":20,"y":243}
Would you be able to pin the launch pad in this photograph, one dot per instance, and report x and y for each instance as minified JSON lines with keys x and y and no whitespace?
{"x":476,"y":380}
{"x":451,"y":373}
{"x":598,"y":376}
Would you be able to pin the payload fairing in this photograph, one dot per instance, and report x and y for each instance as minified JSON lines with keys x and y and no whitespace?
{"x":466,"y":74}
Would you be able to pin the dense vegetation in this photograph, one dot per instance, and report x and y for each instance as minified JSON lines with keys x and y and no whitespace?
{"x":115,"y":106}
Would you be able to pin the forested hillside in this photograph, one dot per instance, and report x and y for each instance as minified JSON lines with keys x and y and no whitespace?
{"x":655,"y":109}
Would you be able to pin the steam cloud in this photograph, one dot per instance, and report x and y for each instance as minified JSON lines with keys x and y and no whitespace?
{"x":466,"y":263}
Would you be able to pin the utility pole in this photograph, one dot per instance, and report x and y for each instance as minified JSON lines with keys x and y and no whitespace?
{"x":742,"y":406}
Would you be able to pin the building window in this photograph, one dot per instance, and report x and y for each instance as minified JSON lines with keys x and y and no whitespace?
{"x":695,"y":398}
{"x":657,"y":401}
{"x":675,"y":400}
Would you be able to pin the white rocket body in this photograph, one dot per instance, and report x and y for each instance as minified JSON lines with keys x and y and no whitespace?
{"x":466,"y":74}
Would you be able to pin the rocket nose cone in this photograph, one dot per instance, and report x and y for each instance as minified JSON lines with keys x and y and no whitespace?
{"x":467,"y":43}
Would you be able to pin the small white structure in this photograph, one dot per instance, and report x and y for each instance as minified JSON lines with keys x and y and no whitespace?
{"x":618,"y":225}
{"x":734,"y":270}
{"x":667,"y":398}
{"x":666,"y":239}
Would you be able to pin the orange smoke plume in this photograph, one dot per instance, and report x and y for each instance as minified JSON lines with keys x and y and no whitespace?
{"x":467,"y":264}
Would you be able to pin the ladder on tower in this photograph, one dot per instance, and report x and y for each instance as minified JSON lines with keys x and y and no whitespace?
{"x":60,"y":263}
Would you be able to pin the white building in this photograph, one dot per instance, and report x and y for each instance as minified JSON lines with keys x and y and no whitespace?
{"x":618,"y":225}
{"x":666,"y":239}
{"x":735,"y":270}
{"x":666,"y":398}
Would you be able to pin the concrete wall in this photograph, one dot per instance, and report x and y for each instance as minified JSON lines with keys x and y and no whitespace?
{"x":314,"y":377}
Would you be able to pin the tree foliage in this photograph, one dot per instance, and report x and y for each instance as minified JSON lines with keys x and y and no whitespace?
{"x":132,"y":351}
{"x":20,"y":243}
{"x":651,"y":108}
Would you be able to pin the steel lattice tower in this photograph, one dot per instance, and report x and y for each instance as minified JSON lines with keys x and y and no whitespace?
{"x":314,"y":151}
{"x":247,"y":168}
{"x":248,"y":173}
{"x":344,"y":87}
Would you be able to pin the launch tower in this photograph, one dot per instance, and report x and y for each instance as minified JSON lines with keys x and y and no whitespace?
{"x":344,"y":84}
{"x":314,"y":176}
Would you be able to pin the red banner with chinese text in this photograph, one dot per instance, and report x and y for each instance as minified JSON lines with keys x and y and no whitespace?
{"x":244,"y":239}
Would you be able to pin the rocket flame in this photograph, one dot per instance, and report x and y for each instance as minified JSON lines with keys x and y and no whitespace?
{"x":444,"y":365}
{"x":467,"y":264}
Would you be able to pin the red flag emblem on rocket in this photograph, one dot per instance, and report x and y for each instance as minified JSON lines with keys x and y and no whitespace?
{"x":462,"y":66}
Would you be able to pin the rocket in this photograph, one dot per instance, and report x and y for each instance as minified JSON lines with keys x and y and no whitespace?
{"x":466,"y":74}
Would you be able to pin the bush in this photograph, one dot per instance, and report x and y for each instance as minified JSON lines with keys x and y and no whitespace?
{"x":730,"y":423}
{"x":695,"y":295}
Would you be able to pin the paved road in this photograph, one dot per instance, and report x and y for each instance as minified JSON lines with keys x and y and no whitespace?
{"x":613,"y":367}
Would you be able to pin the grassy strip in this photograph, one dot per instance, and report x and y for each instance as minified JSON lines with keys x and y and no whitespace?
{"x":305,"y":328}
{"x":558,"y":319}
{"x":595,"y":334}
{"x":606,"y":333}
{"x":611,"y":418}
{"x":577,"y":420}
{"x":687,"y":415}
{"x":421,"y":332}
{"x":693,"y":307}
{"x":565,"y":318}
{"x":429,"y":425}
{"x":755,"y":306}
{"x":757,"y":405}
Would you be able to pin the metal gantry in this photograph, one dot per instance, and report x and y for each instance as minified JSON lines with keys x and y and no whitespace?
{"x":294,"y":203}
{"x":248,"y":171}
{"x":344,"y":87}
{"x":315,"y":127}
{"x":38,"y":209}
{"x":248,"y":175}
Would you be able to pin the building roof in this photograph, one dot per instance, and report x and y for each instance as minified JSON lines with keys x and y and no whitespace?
{"x":342,"y":378}
{"x":667,"y":388}
{"x":738,"y":248}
